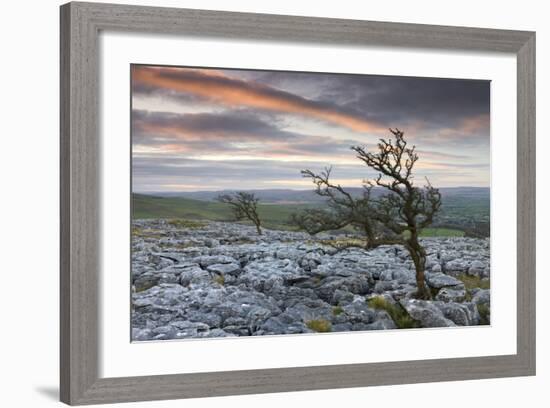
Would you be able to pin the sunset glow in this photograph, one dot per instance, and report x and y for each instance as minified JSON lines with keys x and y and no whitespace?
{"x":213,"y":129}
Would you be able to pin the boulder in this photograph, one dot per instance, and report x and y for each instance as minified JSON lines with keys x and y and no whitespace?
{"x":189,"y":330}
{"x":207,"y":260}
{"x":224,"y":269}
{"x":289,"y":253}
{"x":382,"y":324}
{"x":266,"y":274}
{"x":194,"y":275}
{"x":218,"y":333}
{"x":451,"y":295}
{"x":212,"y":319}
{"x":436,"y":268}
{"x":341,"y":297}
{"x":440,"y":280}
{"x":163,"y":332}
{"x":401,"y":276}
{"x":426,"y":313}
{"x":462,"y":314}
{"x":274,"y":325}
{"x":478,"y":268}
{"x":141,"y":334}
{"x":162,"y":298}
{"x":342,"y":327}
{"x":385,"y":286}
{"x":359,"y":312}
{"x":482,"y":297}
{"x":456,"y":267}
{"x":146,"y":281}
{"x":256,"y":316}
{"x":168,"y":278}
{"x":357,"y":284}
{"x":304,"y":313}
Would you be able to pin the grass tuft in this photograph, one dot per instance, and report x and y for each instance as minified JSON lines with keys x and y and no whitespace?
{"x":378,"y":302}
{"x":219,"y":279}
{"x":471,"y":282}
{"x":484,"y":314}
{"x":147,"y":233}
{"x":342,"y":243}
{"x":183,"y":223}
{"x":319,"y":325}
{"x":399,"y":315}
{"x":144,"y":287}
{"x":337,"y":310}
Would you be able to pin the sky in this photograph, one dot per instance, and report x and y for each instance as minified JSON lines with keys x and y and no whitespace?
{"x":197,"y":129}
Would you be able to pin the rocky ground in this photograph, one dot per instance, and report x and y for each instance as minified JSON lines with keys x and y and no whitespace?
{"x":214,"y":279}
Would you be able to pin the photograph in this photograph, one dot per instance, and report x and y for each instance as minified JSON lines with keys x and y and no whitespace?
{"x":269,"y":202}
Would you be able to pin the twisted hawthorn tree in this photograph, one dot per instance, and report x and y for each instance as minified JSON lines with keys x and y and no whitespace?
{"x":395,"y":217}
{"x":244,"y":205}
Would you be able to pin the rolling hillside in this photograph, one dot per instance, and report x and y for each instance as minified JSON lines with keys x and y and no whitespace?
{"x":274,"y":215}
{"x":145,"y":206}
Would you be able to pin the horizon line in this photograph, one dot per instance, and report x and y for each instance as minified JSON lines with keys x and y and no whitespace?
{"x":275,"y":189}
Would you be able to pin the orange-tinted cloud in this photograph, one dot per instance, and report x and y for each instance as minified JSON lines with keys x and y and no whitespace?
{"x":232,"y":92}
{"x":469,"y":127}
{"x":473,"y":124}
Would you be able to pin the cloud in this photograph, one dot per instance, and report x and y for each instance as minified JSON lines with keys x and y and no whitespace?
{"x":240,"y":125}
{"x":391,"y":100}
{"x":260,"y":128}
{"x":420,"y":106}
{"x":230,"y":132}
{"x":179,"y":173}
{"x":234,"y":92}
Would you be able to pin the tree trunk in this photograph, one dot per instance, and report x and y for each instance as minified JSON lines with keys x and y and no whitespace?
{"x":258,"y":229}
{"x":418,"y":255}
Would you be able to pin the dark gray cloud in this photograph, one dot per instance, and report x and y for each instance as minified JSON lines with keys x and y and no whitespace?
{"x":391,"y":101}
{"x":241,"y":123}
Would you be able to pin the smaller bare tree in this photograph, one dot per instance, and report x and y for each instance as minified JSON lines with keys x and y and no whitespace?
{"x":244,"y":205}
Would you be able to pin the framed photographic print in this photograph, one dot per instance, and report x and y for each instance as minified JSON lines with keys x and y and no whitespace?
{"x":291,"y":203}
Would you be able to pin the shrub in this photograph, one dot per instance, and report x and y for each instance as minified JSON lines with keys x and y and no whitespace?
{"x":319,"y":325}
{"x":219,"y":279}
{"x":471,"y":282}
{"x":378,"y":302}
{"x":337,"y":310}
{"x":399,"y":315}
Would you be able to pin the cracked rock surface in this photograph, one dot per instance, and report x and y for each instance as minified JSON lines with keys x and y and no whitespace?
{"x":216,"y":279}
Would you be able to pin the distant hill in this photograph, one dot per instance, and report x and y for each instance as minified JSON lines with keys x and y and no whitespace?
{"x":465,"y":209}
{"x":288,"y":196}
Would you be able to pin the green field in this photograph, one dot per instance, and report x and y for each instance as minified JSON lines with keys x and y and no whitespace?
{"x":274,"y":216}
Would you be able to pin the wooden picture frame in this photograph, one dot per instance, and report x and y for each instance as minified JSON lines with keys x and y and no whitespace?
{"x":81,"y":24}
